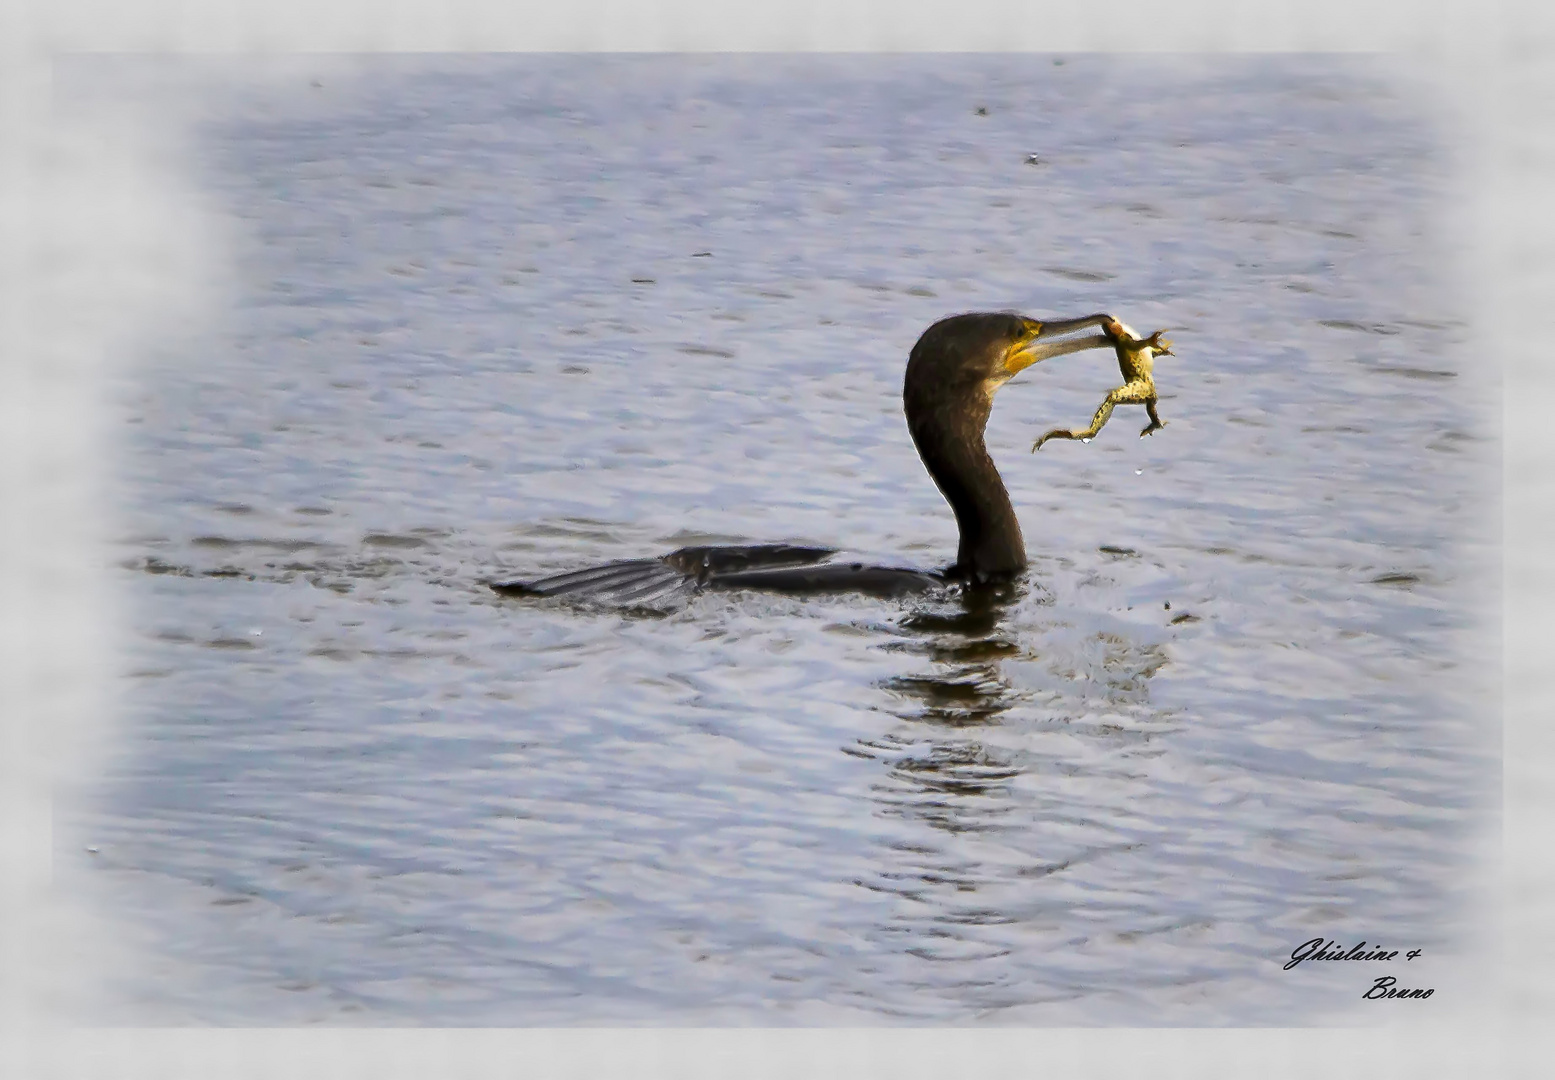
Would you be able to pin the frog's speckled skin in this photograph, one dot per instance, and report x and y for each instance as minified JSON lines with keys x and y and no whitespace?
{"x":1136,"y":359}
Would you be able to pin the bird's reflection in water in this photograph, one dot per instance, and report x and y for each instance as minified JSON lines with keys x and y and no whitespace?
{"x":944,"y":775}
{"x":975,"y":840}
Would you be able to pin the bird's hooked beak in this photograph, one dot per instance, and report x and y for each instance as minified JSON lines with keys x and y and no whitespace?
{"x":1040,"y":340}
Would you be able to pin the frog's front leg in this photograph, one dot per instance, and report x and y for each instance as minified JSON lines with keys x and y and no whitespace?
{"x":1132,"y":393}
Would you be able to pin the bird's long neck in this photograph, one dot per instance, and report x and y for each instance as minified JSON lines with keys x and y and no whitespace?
{"x":950,"y":441}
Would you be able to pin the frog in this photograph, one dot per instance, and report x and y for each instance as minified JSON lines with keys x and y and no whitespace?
{"x":1136,"y":359}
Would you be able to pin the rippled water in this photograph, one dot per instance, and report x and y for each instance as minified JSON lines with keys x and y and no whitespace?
{"x":506,"y":317}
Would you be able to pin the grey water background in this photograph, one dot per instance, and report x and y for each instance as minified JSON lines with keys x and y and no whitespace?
{"x":506,"y":317}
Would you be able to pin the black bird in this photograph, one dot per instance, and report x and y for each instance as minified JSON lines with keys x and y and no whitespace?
{"x":952,"y":375}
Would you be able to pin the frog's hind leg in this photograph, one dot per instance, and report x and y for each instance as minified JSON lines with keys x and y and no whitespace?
{"x":1127,"y":394}
{"x":1156,"y":423}
{"x":1097,"y":421}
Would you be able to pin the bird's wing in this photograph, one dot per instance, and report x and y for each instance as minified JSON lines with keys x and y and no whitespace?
{"x":650,"y":583}
{"x":630,"y":583}
{"x":881,"y":581}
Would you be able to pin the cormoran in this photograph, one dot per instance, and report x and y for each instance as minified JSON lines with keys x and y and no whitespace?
{"x":952,"y":374}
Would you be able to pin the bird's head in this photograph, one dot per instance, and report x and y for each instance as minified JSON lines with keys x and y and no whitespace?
{"x":968,"y":357}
